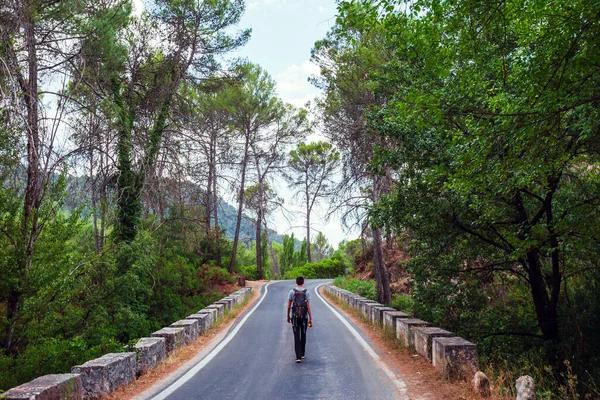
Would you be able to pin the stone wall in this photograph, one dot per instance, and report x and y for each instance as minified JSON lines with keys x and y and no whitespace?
{"x":454,"y":357}
{"x":103,"y":375}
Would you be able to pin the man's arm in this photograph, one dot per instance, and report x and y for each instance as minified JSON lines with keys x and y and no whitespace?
{"x":289,"y":307}
{"x":309,"y":312}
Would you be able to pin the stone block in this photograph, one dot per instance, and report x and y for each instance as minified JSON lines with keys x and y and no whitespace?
{"x":455,"y":357}
{"x":220,"y":309}
{"x":377,"y":314}
{"x":525,"y":388}
{"x":190,"y":329}
{"x":105,"y":374}
{"x":481,"y":385}
{"x":150,"y":353}
{"x":424,"y":335}
{"x":237,"y":299}
{"x":247,"y":290}
{"x":365,"y":308}
{"x":404,"y":330}
{"x":369,"y":309}
{"x":48,"y":387}
{"x":213,"y":315}
{"x":204,"y":320}
{"x":359,"y":303}
{"x":355,"y":301}
{"x":348,"y":298}
{"x":173,"y":337}
{"x":232,"y":301}
{"x":227,"y":304}
{"x":390,"y":317}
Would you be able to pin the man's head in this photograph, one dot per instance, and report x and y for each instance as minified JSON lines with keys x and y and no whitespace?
{"x":300,"y":281}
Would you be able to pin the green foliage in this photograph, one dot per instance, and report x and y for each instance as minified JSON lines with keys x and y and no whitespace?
{"x":246,"y":256}
{"x":403,"y":303}
{"x":491,"y":118}
{"x":250,"y":272}
{"x":300,"y":256}
{"x":321,"y":248}
{"x":79,"y":306}
{"x":286,"y":260}
{"x":358,"y":286}
{"x":311,"y":161}
{"x":327,"y":268}
{"x":51,"y":354}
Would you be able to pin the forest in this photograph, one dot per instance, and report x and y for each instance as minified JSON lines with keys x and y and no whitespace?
{"x":474,"y":124}
{"x":461,"y":137}
{"x":122,"y":132}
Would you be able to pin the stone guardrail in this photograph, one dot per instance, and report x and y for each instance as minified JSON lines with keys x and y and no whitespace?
{"x":104,"y":375}
{"x":454,"y":357}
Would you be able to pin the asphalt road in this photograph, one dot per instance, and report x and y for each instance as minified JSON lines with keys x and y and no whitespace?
{"x":258,"y":362}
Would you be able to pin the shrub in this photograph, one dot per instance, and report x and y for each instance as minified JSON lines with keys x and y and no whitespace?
{"x":358,"y":286}
{"x":326,"y":268}
{"x":250,"y":272}
{"x":403,"y":302}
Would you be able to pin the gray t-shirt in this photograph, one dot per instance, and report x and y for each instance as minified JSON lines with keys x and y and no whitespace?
{"x":291,"y":294}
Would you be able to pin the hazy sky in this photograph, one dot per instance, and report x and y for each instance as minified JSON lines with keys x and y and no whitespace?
{"x":283,"y":34}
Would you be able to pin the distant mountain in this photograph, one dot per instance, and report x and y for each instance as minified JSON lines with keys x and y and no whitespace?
{"x":78,"y":194}
{"x":227,"y":218}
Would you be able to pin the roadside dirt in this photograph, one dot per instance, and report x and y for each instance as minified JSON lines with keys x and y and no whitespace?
{"x":422,"y":380}
{"x":181,"y":356}
{"x":395,"y":260}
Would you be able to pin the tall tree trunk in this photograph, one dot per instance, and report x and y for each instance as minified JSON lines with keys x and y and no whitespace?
{"x":208,"y":200}
{"x":128,"y":202}
{"x":33,"y":189}
{"x":384,"y":295}
{"x":236,"y":236}
{"x":308,"y":210}
{"x":93,"y":199}
{"x":216,"y":225}
{"x":259,"y":250}
{"x":276,"y":267}
{"x":545,"y":304}
{"x":103,"y":196}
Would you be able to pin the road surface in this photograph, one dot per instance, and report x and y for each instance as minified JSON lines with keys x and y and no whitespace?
{"x":258,"y":361}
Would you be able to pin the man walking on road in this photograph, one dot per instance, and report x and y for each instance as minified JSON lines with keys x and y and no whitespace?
{"x":300,"y":317}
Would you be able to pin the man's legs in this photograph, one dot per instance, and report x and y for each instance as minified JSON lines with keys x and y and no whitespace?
{"x":299,"y":327}
{"x":303,"y":336}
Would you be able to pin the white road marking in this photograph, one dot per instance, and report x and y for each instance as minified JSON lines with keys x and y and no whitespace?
{"x":188,"y":375}
{"x":400,"y":385}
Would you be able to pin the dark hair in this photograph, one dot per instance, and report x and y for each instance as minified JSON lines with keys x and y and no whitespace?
{"x":300,"y":280}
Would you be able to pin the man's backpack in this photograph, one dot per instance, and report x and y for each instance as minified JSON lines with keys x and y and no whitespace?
{"x":299,"y":304}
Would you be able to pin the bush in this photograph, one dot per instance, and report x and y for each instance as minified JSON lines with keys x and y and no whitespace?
{"x":403,"y":302}
{"x":51,"y":354}
{"x":250,"y":272}
{"x":358,"y":286}
{"x":326,"y":268}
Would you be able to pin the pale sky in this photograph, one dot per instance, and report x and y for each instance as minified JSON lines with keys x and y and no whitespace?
{"x":283,"y":34}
